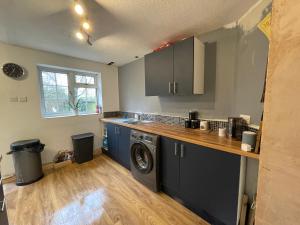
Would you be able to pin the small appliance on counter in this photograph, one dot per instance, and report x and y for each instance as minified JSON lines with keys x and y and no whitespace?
{"x":192,"y":121}
{"x":195,"y":124}
{"x":204,"y":125}
{"x":187,"y":123}
{"x":248,"y":141}
{"x":236,"y":127}
{"x":193,"y":115}
{"x":222,"y":132}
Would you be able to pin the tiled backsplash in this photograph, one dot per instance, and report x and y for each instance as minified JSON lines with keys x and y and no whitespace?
{"x":172,"y":120}
{"x":111,"y":114}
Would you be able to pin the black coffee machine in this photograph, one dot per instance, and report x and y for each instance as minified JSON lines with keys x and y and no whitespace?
{"x":236,"y":126}
{"x":192,"y":121}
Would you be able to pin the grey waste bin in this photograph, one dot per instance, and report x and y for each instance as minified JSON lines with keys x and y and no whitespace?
{"x":27,"y":160}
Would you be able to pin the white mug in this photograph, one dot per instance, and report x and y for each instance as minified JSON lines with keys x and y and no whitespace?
{"x":222,"y":132}
{"x":204,"y":125}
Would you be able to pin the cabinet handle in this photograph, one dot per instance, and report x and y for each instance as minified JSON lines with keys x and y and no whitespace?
{"x":175,"y":87}
{"x":181,"y":151}
{"x":116,"y":130}
{"x":3,"y":205}
{"x":170,"y":88}
{"x":175,"y":149}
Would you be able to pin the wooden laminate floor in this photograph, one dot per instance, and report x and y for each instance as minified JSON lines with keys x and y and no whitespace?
{"x":97,"y":192}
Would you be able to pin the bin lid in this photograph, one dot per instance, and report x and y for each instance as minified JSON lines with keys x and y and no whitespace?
{"x":20,"y":145}
{"x":81,"y":136}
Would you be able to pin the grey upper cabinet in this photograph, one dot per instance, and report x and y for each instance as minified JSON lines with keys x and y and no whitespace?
{"x":176,"y":70}
{"x":184,"y":67}
{"x":188,"y":67}
{"x":159,"y":73}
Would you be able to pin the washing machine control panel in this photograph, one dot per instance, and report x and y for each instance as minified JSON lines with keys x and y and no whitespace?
{"x":141,"y":136}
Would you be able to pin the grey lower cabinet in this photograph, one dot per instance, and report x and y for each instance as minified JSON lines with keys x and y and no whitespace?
{"x":118,"y":138}
{"x":203,"y":179}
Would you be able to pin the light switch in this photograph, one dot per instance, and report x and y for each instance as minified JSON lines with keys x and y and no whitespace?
{"x":23,"y":99}
{"x":13,"y":99}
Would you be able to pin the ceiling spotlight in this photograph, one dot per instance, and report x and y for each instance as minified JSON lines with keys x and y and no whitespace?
{"x":79,"y":35}
{"x":78,"y":9}
{"x":86,"y":25}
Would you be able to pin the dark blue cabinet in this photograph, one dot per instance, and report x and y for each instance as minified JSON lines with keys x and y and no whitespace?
{"x":3,"y":214}
{"x":118,"y":138}
{"x":203,"y":179}
{"x":124,"y":146}
{"x":209,"y":183}
{"x":169,"y":166}
{"x":112,"y":140}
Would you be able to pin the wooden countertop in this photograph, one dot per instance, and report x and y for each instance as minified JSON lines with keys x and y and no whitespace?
{"x":194,"y":136}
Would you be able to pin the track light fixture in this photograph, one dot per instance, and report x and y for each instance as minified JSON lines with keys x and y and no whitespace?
{"x":78,"y":9}
{"x":86,"y":26}
{"x":83,"y":33}
{"x":79,"y":35}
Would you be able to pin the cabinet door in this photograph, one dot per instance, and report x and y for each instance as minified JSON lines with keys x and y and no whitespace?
{"x":209,"y":183}
{"x":184,"y":67}
{"x":112,"y":139}
{"x":169,"y":165}
{"x":124,"y":146}
{"x":159,"y":73}
{"x":3,"y":214}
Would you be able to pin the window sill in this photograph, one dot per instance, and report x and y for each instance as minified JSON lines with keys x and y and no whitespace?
{"x":68,"y":116}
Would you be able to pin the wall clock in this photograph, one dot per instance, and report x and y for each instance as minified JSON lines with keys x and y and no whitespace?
{"x":13,"y":70}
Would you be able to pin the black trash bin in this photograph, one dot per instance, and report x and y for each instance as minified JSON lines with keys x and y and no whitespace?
{"x":27,"y":160}
{"x":83,"y":145}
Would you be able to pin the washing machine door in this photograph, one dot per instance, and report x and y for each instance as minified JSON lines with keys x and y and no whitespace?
{"x":141,"y":157}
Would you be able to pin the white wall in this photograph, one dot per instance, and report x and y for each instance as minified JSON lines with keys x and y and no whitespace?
{"x":24,"y":121}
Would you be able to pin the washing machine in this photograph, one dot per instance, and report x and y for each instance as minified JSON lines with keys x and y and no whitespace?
{"x":144,"y":159}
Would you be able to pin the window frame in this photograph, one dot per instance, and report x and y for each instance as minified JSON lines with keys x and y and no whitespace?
{"x":72,"y":86}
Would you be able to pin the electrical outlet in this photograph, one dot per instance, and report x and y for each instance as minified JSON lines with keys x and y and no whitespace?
{"x":246,"y":118}
{"x":13,"y":99}
{"x":23,"y":99}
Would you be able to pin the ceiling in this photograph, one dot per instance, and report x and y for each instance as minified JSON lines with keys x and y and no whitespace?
{"x":122,"y":29}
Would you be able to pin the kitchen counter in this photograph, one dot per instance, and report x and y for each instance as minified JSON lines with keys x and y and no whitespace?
{"x":194,"y":136}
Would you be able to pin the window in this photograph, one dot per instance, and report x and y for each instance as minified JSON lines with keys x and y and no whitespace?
{"x":67,"y":92}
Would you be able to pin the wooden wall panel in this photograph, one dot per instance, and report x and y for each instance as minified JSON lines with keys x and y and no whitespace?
{"x":278,"y":201}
